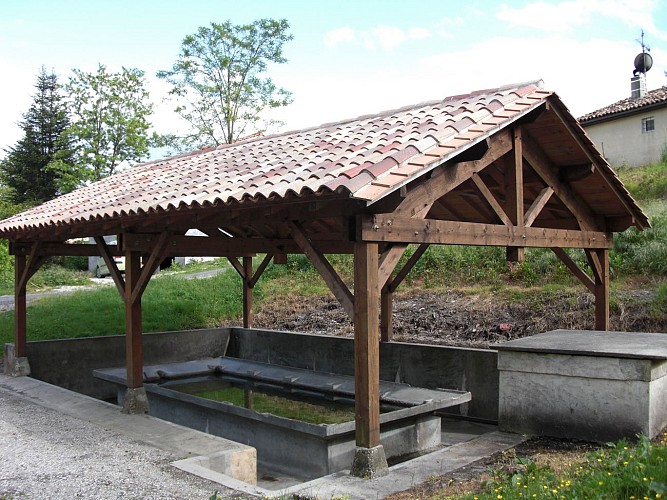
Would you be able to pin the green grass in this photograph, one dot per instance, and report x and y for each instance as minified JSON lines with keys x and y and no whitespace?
{"x":619,"y":470}
{"x":323,"y":413}
{"x":170,"y":303}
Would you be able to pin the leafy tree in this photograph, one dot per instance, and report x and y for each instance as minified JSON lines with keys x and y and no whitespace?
{"x":216,"y":79}
{"x":110,"y":119}
{"x":41,"y":166}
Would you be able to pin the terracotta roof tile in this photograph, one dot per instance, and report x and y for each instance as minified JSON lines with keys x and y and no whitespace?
{"x":653,"y":98}
{"x":366,"y":157}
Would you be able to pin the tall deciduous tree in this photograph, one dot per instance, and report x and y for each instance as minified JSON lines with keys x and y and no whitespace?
{"x":217,"y":80}
{"x":110,"y":119}
{"x":41,"y":166}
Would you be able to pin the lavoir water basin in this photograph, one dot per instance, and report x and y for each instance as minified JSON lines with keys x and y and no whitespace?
{"x":408,"y":424}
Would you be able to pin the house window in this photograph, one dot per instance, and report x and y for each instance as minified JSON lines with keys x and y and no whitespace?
{"x":648,"y":124}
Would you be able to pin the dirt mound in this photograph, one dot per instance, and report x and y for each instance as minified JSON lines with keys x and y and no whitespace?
{"x":464,"y":319}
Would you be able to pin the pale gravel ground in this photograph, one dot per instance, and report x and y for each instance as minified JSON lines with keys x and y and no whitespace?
{"x":44,"y":454}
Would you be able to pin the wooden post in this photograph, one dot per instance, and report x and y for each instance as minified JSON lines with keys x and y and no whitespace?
{"x":514,"y":194}
{"x":133,"y":340}
{"x":602,"y":291}
{"x":20,"y":337}
{"x":386,"y":315}
{"x":366,"y":345}
{"x":247,"y":292}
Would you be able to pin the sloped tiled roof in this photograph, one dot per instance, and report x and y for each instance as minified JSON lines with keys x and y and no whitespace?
{"x":364,"y":158}
{"x":625,"y":106}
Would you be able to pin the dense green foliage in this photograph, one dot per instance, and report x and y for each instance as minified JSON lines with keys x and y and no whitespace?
{"x":217,"y":82}
{"x":40,"y":166}
{"x":110,"y":114}
{"x":620,"y":470}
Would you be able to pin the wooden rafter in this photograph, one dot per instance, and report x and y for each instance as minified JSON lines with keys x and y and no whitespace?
{"x":326,"y":270}
{"x":449,"y":176}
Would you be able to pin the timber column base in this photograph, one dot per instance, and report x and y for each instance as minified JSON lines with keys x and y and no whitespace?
{"x":135,"y":401}
{"x":369,"y":463}
{"x":15,"y":366}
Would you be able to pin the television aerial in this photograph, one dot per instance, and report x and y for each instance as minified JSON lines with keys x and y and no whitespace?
{"x":643,"y":61}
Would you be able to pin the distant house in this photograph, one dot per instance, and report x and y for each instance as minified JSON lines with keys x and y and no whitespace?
{"x":633,"y":131}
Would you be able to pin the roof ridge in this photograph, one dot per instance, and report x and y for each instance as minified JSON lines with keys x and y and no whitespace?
{"x":627,"y":104}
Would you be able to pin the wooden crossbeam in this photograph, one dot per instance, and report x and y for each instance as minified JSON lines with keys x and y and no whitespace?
{"x":449,"y":176}
{"x":390,"y":229}
{"x":537,"y":206}
{"x":326,"y":270}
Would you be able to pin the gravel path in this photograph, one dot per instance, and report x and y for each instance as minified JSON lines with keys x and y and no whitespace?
{"x":46,"y":454}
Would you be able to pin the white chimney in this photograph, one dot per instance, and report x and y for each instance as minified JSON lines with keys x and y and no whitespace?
{"x":638,"y":86}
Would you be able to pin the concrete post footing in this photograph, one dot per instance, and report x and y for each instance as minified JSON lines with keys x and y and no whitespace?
{"x":19,"y":367}
{"x":135,"y":401}
{"x":369,"y":463}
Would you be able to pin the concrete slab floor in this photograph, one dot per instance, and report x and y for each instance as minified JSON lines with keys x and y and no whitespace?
{"x":465,"y":442}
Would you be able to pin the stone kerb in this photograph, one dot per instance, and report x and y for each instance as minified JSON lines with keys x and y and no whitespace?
{"x":597,"y":386}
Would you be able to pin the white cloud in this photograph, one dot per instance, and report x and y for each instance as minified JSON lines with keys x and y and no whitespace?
{"x":563,"y":17}
{"x":334,"y":37}
{"x":390,"y":37}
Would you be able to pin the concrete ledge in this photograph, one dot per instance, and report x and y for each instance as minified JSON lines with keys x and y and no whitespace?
{"x":598,"y":386}
{"x":240,"y":459}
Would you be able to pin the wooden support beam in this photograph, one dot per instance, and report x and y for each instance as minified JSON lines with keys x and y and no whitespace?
{"x":419,"y":200}
{"x":490,"y":199}
{"x":157,"y":255}
{"x":537,"y":206}
{"x":238,"y":267}
{"x":388,"y":261}
{"x":105,"y":253}
{"x":366,"y":346}
{"x":133,"y":327}
{"x":602,"y":291}
{"x":575,"y":269}
{"x":20,"y":337}
{"x":386,"y":315}
{"x":543,"y":167}
{"x":389,"y":229}
{"x":225,"y":246}
{"x":247,"y":292}
{"x":514,"y":193}
{"x":576,"y":132}
{"x":326,"y":270}
{"x":405,"y":270}
{"x":260,"y":270}
{"x":34,"y":262}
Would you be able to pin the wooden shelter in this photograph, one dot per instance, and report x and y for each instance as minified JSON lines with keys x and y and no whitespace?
{"x":506,"y":167}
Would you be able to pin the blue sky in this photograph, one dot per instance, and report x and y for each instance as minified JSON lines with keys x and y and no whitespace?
{"x":347,"y":58}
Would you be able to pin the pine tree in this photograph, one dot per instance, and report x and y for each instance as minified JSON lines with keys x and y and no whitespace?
{"x":39,"y":167}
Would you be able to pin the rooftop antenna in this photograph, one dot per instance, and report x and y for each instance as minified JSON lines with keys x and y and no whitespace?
{"x":643,"y":61}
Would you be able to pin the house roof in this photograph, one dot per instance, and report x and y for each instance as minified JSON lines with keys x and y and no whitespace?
{"x":365,"y":159}
{"x":652,"y":99}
